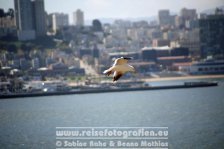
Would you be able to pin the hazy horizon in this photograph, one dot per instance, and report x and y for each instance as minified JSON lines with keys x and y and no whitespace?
{"x":120,"y":9}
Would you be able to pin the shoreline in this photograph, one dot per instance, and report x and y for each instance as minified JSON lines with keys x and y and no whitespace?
{"x":102,"y":90}
{"x":184,"y":78}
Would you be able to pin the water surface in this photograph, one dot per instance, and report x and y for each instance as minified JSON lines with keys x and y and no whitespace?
{"x":194,"y":117}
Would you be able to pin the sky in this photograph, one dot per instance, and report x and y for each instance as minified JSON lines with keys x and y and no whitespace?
{"x":94,"y":9}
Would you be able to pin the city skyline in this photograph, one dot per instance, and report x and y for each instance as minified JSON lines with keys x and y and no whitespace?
{"x":95,"y":9}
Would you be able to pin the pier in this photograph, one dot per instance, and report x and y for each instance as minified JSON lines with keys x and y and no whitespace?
{"x":105,"y":90}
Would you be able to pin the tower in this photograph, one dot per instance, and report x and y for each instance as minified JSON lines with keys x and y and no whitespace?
{"x":24,"y":20}
{"x":59,"y":20}
{"x":30,"y":19}
{"x":39,"y":17}
{"x":78,"y":18}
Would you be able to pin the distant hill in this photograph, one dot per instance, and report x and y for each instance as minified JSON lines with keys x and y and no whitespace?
{"x":111,"y":20}
{"x":148,"y":19}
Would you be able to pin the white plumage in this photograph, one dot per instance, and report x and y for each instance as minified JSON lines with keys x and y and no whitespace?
{"x":119,"y":68}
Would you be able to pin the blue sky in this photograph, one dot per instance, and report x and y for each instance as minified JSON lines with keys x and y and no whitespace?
{"x":121,"y":8}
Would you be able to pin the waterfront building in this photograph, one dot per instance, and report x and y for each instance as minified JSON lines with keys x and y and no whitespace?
{"x":208,"y":67}
{"x":170,"y":60}
{"x":154,"y":53}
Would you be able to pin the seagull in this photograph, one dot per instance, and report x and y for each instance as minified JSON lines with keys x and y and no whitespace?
{"x":119,"y":68}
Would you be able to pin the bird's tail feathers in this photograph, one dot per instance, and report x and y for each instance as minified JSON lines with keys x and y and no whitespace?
{"x":116,"y":77}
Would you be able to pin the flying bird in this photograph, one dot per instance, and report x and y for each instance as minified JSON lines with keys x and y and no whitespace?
{"x":119,"y":68}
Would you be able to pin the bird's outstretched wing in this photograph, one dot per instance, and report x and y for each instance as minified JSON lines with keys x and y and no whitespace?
{"x":108,"y":71}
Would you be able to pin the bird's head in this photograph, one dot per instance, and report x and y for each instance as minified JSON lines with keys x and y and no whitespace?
{"x":127,"y":58}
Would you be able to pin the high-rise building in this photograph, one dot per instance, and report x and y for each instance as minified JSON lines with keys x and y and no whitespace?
{"x":39,"y":17}
{"x":50,"y":21}
{"x":78,"y":18}
{"x":212,"y":35}
{"x":164,"y":17}
{"x":187,"y":18}
{"x":188,"y":14}
{"x":59,"y":20}
{"x":30,"y":19}
{"x":24,"y":19}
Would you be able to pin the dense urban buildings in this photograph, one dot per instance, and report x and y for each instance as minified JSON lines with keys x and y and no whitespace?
{"x":176,"y":42}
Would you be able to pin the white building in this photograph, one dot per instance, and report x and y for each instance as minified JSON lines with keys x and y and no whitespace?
{"x":216,"y":67}
{"x":78,"y":18}
{"x":59,"y":20}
